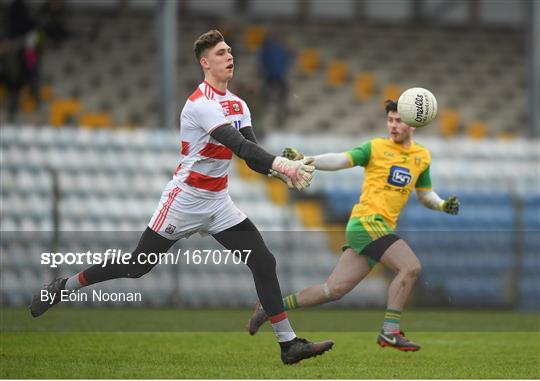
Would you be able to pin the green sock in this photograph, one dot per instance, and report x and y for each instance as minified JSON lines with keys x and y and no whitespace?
{"x":290,"y":302}
{"x":391,"y":320}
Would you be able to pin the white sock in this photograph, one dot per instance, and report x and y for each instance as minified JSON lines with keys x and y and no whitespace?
{"x":282,"y":327}
{"x":75,"y":282}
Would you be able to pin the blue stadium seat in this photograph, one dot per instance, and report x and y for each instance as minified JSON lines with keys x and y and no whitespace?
{"x":530,"y":292}
{"x":341,"y":200}
{"x":475,"y":291}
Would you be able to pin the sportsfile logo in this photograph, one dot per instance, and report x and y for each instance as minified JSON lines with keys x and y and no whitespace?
{"x":118,"y":257}
{"x":399,"y":176}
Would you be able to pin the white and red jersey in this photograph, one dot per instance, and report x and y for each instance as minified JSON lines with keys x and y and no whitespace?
{"x":204,"y":167}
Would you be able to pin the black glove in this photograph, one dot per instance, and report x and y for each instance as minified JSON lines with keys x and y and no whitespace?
{"x":451,"y":206}
{"x":292,"y":154}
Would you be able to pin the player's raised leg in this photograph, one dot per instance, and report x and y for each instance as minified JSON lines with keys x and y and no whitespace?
{"x":400,"y":258}
{"x":150,"y":242}
{"x":348,"y":272}
{"x":262,"y":263}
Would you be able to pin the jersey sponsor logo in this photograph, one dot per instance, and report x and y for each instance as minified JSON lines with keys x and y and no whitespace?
{"x":399,"y":176}
{"x":232,"y":107}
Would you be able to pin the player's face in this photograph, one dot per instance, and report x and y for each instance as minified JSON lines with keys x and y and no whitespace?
{"x":218,"y":61}
{"x":399,"y":131}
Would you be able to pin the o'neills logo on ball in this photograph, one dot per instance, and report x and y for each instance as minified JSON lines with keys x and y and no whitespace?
{"x":419,"y":103}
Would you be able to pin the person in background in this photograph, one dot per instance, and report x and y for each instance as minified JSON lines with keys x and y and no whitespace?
{"x":276,"y":59}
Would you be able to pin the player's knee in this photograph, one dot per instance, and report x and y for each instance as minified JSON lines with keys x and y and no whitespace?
{"x":262,"y":262}
{"x":416,"y":270}
{"x":413,"y":271}
{"x":269,"y":262}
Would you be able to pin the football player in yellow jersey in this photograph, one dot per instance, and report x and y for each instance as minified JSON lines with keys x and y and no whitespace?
{"x":394,"y":166}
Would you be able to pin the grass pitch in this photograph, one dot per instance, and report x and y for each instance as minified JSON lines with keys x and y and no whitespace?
{"x":30,"y":350}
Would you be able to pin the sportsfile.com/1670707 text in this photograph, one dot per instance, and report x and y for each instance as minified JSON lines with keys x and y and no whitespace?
{"x":116,"y":256}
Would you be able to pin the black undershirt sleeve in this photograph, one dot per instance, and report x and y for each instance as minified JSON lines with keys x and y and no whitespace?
{"x":249,"y":134}
{"x":254,"y":155}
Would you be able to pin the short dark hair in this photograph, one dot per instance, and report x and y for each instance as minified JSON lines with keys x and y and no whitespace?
{"x":206,"y":41}
{"x":390,"y":105}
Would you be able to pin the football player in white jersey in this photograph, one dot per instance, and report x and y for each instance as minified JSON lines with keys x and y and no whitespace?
{"x":214,"y":124}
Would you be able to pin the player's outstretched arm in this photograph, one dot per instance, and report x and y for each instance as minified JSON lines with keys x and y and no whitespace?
{"x":299,"y":172}
{"x":324,"y":162}
{"x":431,"y":200}
{"x":249,"y":134}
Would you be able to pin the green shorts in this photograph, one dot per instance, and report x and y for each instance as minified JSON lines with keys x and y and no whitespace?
{"x":361,"y":231}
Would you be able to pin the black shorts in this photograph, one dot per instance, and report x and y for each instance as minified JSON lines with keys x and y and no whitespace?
{"x":377,"y":248}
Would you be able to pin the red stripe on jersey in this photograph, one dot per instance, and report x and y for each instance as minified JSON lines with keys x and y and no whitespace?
{"x":196,"y":94}
{"x":177,"y":169}
{"x":209,"y":183}
{"x":277,"y":318}
{"x":82,"y":279}
{"x":213,"y":88}
{"x":185,"y":147}
{"x":163,"y":207}
{"x":158,"y":223}
{"x":208,"y":92}
{"x":216,"y":151}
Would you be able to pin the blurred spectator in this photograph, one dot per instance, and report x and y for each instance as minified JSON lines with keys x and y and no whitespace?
{"x":18,"y":20}
{"x":229,"y":33}
{"x":249,"y":91}
{"x":31,"y":63}
{"x":51,"y":18}
{"x":9,"y":76}
{"x":276,"y":59}
{"x":19,"y":55}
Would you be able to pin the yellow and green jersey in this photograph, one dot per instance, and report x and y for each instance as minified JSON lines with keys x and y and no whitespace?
{"x":391,"y":173}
